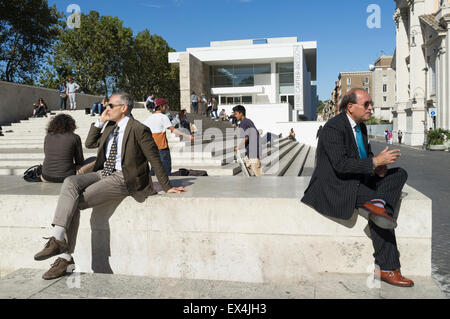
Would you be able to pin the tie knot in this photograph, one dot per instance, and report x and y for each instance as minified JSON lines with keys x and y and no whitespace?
{"x":357,"y":128}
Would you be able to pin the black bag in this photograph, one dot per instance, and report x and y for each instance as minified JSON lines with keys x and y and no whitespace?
{"x":189,"y":172}
{"x":33,"y":174}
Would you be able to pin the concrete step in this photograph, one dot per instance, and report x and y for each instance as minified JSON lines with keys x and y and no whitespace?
{"x":268,"y":161}
{"x":204,"y":234}
{"x":28,"y":284}
{"x":299,"y":162}
{"x":280,"y":168}
{"x":309,"y":167}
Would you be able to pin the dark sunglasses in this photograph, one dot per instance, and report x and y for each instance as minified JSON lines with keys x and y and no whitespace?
{"x":113,"y":105}
{"x":366,"y":105}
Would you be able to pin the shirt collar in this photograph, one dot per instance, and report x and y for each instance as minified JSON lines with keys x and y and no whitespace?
{"x":122,"y":124}
{"x":352,"y":123}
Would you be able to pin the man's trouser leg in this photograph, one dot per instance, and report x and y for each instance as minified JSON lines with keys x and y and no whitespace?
{"x":72,"y":100}
{"x":82,"y":192}
{"x":388,"y":189}
{"x":254,"y":166}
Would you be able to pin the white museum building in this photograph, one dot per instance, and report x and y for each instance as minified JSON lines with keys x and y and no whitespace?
{"x":422,"y":67}
{"x":273,"y":78}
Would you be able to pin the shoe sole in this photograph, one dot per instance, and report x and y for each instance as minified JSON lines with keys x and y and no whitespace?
{"x":396,"y":285}
{"x":380,"y":221}
{"x":42,"y":258}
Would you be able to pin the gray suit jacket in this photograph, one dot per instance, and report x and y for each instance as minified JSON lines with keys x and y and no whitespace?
{"x":339,"y":170}
{"x":138,"y":148}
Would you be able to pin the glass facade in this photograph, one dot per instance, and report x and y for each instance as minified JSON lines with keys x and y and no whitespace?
{"x":286,"y":72}
{"x":236,"y":75}
{"x":235,"y":100}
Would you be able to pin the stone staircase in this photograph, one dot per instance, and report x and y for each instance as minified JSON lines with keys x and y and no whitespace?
{"x":22,"y":146}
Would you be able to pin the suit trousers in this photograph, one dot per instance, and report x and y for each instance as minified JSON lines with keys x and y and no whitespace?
{"x":389,"y":188}
{"x":86,"y":191}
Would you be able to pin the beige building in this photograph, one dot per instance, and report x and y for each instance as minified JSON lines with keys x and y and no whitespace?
{"x":422,"y":66}
{"x":383,"y":88}
{"x":354,"y":80}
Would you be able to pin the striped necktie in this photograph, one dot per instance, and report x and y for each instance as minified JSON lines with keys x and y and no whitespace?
{"x":360,"y":142}
{"x":110,"y":163}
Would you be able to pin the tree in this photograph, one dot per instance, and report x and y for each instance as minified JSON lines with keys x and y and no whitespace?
{"x":147,"y":70}
{"x":27,"y":31}
{"x":93,"y":54}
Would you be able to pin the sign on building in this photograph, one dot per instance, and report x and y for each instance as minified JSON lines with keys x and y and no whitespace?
{"x":298,"y":78}
{"x":433,"y":112}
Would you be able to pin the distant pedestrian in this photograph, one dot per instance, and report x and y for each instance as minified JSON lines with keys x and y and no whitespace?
{"x":194,"y":102}
{"x":400,"y":136}
{"x":386,"y":135}
{"x":63,"y":96}
{"x":214,"y":108}
{"x":390,"y":138}
{"x":292,"y":135}
{"x":72,"y":89}
{"x":203,"y":104}
{"x":150,"y":103}
{"x":251,"y":139}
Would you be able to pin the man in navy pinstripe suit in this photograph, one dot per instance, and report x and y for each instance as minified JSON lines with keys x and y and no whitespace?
{"x":349,"y":176}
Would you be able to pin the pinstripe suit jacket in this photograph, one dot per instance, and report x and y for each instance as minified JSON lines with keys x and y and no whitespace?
{"x":339,"y":170}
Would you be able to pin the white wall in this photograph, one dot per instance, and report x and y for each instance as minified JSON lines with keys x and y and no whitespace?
{"x":305,"y":132}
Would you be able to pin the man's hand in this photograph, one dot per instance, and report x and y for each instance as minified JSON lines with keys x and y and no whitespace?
{"x":176,"y":190}
{"x":381,"y":171}
{"x":104,"y":117}
{"x":386,"y":157}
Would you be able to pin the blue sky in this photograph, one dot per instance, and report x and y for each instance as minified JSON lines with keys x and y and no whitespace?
{"x":344,"y":41}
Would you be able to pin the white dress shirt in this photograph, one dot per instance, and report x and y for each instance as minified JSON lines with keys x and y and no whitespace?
{"x":72,"y":87}
{"x":122,"y":126}
{"x":353,"y":125}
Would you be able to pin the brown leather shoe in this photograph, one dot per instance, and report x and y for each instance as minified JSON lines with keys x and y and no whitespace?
{"x":59,"y":269}
{"x":394,"y":278}
{"x":379,"y":216}
{"x":52,"y":248}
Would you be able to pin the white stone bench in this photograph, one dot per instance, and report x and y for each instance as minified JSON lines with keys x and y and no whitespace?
{"x":223,"y":228}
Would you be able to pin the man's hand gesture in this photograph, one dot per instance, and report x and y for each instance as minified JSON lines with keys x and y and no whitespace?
{"x":386,"y":157}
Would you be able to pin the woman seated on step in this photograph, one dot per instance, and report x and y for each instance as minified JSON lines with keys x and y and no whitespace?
{"x":40,"y":109}
{"x":63,"y":151}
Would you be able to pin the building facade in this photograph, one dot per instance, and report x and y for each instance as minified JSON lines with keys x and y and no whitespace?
{"x":422,"y":66}
{"x":270,"y":75}
{"x":383,"y":88}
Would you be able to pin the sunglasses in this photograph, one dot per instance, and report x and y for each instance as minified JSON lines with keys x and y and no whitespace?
{"x":367,"y":104}
{"x":114,"y":105}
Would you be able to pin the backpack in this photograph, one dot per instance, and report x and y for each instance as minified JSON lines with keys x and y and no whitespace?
{"x":189,"y":172}
{"x":33,"y":174}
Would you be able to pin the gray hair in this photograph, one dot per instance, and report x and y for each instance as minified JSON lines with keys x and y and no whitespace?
{"x":126,"y":99}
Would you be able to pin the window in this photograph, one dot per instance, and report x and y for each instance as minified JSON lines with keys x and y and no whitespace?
{"x":286,"y":72}
{"x":235,"y":100}
{"x":349,"y":81}
{"x":236,"y":75}
{"x":367,"y":80}
{"x":385,"y":98}
{"x":385,"y":88}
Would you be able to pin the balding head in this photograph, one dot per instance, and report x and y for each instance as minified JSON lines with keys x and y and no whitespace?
{"x":350,"y":97}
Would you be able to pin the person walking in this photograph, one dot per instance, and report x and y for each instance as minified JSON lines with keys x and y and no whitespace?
{"x":63,"y":96}
{"x":203,"y":104}
{"x":251,"y":139}
{"x":124,"y":149}
{"x":400,"y":137}
{"x":159,"y":123}
{"x":349,"y":176}
{"x":386,"y":133}
{"x":194,"y":102}
{"x":72,"y":89}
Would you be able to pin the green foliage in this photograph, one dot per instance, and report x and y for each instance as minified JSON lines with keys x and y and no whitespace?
{"x":103,"y":56}
{"x":438,"y":137}
{"x":93,"y":54}
{"x":27,"y":31}
{"x":320,"y":106}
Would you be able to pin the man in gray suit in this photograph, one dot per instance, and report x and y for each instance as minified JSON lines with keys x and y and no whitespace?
{"x":349,"y":176}
{"x":124,"y":150}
